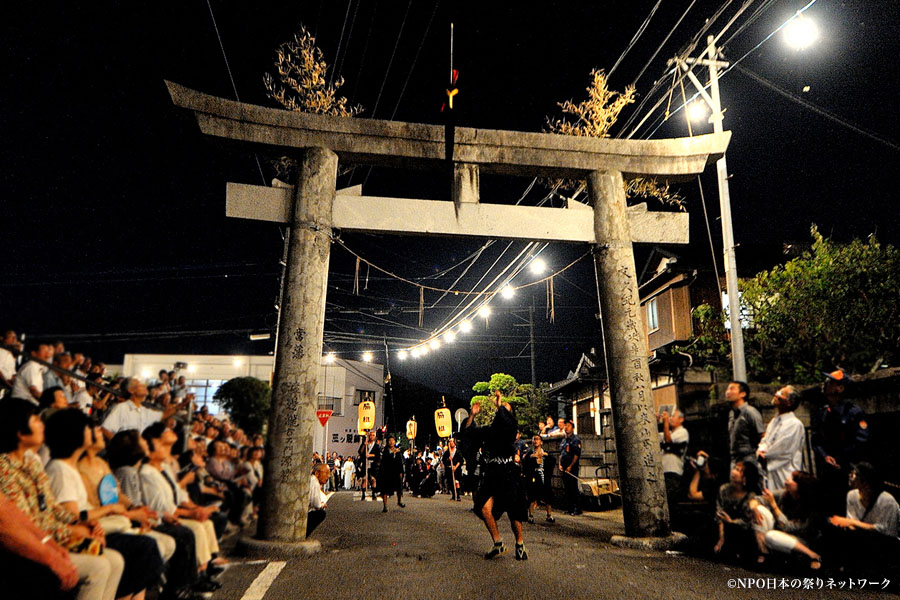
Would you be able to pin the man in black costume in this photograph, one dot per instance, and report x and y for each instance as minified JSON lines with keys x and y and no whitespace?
{"x":501,"y":488}
{"x":368,"y":457}
{"x":390,"y":473}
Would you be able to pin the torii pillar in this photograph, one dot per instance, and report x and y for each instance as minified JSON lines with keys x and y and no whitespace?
{"x":299,"y":350}
{"x":637,"y":443}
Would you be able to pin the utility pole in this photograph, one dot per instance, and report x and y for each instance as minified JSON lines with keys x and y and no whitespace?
{"x":531,"y":342}
{"x":738,"y":363}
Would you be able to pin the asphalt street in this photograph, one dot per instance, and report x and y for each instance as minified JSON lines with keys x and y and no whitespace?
{"x":433,"y":548}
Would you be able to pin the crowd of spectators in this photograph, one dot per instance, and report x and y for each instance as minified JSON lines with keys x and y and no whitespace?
{"x":771,"y":509}
{"x":113,"y":487}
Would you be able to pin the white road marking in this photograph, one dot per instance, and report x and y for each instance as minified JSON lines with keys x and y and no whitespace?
{"x":263,"y":581}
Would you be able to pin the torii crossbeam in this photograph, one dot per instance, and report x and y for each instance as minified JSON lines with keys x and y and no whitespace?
{"x":312,"y":209}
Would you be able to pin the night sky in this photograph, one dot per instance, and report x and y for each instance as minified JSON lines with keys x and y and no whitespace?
{"x":113,"y":233}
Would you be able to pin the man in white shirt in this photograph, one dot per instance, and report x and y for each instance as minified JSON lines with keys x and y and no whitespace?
{"x":29,"y":384}
{"x":781,"y":447}
{"x":673,"y":439}
{"x":130,"y":414}
{"x":7,"y":362}
{"x":317,"y":498}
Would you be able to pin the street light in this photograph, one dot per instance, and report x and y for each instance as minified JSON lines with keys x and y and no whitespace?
{"x":402,"y":354}
{"x":697,"y":111}
{"x":484,"y":312}
{"x":508,"y":292}
{"x":367,"y":356}
{"x":465,"y":326}
{"x":449,"y":337}
{"x":801,"y":32}
{"x":538,"y":266}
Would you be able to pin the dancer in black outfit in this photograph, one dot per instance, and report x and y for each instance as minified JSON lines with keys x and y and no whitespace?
{"x":502,"y":487}
{"x":390,"y":473}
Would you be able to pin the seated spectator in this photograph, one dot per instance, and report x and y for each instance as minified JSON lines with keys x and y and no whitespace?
{"x":63,"y":381}
{"x":735,"y":512}
{"x":24,"y":482}
{"x":68,"y":436}
{"x":53,"y":397}
{"x":221,"y":467}
{"x":797,"y":520}
{"x":318,"y":501}
{"x":126,"y":451}
{"x":31,"y":566}
{"x":98,"y":479}
{"x":166,"y":497}
{"x":866,"y":538}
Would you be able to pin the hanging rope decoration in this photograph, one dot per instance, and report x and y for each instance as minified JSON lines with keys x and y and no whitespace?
{"x":552,"y":302}
{"x":356,"y":278}
{"x":421,"y":306}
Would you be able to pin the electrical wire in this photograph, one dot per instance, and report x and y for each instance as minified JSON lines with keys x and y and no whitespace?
{"x":637,"y":35}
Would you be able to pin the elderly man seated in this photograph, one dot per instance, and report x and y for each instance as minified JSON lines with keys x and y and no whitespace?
{"x":318,"y":500}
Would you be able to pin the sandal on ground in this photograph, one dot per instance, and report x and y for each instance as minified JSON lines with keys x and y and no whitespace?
{"x":520,"y":552}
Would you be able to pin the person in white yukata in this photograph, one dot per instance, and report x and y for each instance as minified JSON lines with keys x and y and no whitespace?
{"x":781,"y":448}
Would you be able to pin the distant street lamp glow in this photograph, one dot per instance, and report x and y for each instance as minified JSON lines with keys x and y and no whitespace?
{"x":192,"y":368}
{"x":423,"y":350}
{"x":484,"y":312}
{"x":237,"y":362}
{"x":416,"y":353}
{"x":697,"y":110}
{"x":435,"y":344}
{"x":538,"y":266}
{"x":367,"y":357}
{"x":508,"y":292}
{"x":402,"y":354}
{"x":329,"y":358}
{"x":145,"y":374}
{"x":449,"y":337}
{"x":801,"y":32}
{"x":465,"y":326}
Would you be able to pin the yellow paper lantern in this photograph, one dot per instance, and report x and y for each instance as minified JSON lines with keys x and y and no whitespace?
{"x":366,"y":416}
{"x":411,"y":429}
{"x":443,"y":423}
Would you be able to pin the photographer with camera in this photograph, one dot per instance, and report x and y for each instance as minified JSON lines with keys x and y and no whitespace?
{"x":673,"y":439}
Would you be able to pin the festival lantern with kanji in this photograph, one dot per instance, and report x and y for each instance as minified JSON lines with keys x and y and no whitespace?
{"x":411,"y":429}
{"x":443,"y":422}
{"x":366,"y":420}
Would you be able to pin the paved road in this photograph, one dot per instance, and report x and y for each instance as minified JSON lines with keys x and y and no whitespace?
{"x":433,"y":549}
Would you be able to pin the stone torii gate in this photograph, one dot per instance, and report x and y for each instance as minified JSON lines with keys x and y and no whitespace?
{"x":312,"y":209}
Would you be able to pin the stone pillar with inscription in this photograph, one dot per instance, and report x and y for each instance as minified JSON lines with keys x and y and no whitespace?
{"x":637,"y":441}
{"x":298,"y":355}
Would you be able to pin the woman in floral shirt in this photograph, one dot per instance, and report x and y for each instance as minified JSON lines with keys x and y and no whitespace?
{"x":23,"y":481}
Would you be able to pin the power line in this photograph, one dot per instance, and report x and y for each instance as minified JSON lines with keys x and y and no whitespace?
{"x":637,"y":35}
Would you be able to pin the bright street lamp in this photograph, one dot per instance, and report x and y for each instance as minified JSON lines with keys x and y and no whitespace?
{"x":697,"y":111}
{"x":538,"y":266}
{"x":800,"y":33}
{"x":508,"y":292}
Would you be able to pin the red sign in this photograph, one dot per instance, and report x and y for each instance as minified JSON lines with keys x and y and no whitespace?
{"x":323,"y":416}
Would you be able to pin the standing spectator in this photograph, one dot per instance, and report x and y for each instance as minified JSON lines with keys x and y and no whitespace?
{"x":569,"y":455}
{"x":349,"y":472}
{"x":8,"y":362}
{"x":536,"y":479}
{"x":369,"y":455}
{"x":29,"y":383}
{"x":329,"y":460}
{"x":781,"y":449}
{"x":673,"y":439}
{"x":840,"y":437}
{"x":131,"y":414}
{"x":745,"y":424}
{"x":453,"y":462}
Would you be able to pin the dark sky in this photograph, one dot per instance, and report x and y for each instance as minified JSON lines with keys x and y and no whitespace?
{"x":112,"y":203}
